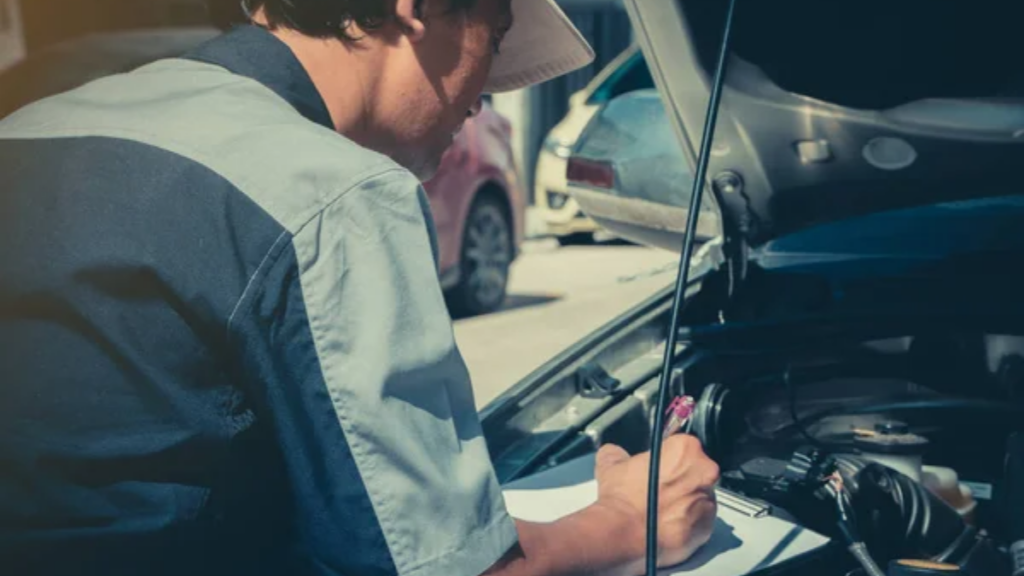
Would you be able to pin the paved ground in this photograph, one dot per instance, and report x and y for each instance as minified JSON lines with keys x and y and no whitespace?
{"x":557,"y":295}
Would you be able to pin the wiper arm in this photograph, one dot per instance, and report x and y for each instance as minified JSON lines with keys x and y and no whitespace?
{"x":682,"y":279}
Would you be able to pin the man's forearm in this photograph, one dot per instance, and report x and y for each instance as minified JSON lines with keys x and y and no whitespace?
{"x":593,"y":542}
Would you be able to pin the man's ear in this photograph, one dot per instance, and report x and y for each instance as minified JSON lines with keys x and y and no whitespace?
{"x":409,"y":14}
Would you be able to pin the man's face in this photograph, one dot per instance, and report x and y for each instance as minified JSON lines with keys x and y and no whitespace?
{"x":439,"y":81}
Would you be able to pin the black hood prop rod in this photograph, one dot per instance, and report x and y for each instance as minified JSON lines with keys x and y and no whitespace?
{"x":682,"y":279}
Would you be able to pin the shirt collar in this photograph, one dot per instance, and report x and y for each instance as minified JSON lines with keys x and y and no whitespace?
{"x":253,"y":52}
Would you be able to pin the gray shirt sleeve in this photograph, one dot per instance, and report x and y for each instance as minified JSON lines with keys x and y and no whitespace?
{"x":396,"y":383}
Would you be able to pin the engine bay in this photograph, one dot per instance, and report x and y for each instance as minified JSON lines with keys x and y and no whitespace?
{"x":901,"y":442}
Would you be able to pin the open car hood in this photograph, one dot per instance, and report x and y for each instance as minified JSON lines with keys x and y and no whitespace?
{"x":839,"y":109}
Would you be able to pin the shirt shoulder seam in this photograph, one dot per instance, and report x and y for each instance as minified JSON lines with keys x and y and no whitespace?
{"x":270,"y":258}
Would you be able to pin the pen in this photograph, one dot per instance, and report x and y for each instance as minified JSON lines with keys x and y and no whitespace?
{"x":678,"y":413}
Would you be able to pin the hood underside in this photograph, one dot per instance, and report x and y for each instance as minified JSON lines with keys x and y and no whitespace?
{"x":837,"y":109}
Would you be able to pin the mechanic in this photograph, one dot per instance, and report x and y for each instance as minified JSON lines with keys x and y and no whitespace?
{"x":225,"y":346}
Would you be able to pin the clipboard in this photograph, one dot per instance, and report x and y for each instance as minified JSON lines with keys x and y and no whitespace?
{"x":743,"y":542}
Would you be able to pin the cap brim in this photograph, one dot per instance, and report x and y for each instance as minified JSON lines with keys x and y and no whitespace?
{"x":542,"y":44}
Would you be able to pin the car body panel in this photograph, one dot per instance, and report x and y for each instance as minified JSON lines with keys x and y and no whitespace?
{"x":649,"y":198}
{"x":549,"y":174}
{"x":480,"y":161}
{"x":802,"y":161}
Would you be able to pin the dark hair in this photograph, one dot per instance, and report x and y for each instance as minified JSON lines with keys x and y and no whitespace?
{"x":317,"y":18}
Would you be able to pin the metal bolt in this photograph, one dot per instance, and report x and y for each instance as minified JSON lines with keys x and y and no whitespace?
{"x":728,"y":182}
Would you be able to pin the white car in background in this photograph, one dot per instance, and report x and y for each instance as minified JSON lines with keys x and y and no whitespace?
{"x":559,"y":212}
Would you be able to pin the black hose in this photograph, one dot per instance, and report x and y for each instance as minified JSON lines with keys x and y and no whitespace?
{"x":860,"y":552}
{"x":856,"y":545}
{"x":682,"y":279}
{"x":800,"y":424}
{"x":791,"y":389}
{"x":915,"y":405}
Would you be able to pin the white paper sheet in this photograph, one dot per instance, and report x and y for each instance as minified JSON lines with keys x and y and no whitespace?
{"x":739,"y":545}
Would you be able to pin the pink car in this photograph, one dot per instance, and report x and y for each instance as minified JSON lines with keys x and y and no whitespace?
{"x":476,"y":197}
{"x":478,"y":207}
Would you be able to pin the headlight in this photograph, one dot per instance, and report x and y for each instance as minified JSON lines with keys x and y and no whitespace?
{"x":557,"y":200}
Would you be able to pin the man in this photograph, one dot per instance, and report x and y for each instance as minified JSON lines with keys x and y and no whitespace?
{"x":225,"y":347}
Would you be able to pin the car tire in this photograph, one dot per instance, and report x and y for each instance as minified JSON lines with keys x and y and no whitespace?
{"x":485,"y":260}
{"x":576,"y":239}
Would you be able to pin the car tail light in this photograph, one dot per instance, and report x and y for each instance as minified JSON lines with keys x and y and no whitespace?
{"x":591,"y":173}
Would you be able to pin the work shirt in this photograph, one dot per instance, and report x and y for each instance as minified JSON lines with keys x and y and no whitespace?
{"x":224,"y":346}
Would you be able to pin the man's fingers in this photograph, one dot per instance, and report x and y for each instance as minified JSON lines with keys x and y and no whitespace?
{"x":609,"y":455}
{"x":685,"y":444}
{"x":685,"y":451}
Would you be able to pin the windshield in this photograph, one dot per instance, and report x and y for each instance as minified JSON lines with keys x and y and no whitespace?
{"x":632,"y":75}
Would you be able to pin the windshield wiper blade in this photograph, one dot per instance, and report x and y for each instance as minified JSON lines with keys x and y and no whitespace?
{"x":682,"y":278}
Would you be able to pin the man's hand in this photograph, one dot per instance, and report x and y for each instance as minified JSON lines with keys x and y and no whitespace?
{"x":686,"y":496}
{"x":607,"y":538}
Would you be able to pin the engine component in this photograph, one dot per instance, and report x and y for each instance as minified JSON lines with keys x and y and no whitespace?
{"x":804,"y":473}
{"x":892,"y":444}
{"x":857,"y":548}
{"x":900,"y":518}
{"x":923,"y":568}
{"x":945,"y":483}
{"x":808,"y":469}
{"x":705,"y":423}
{"x":593,"y":381}
{"x":895,"y":516}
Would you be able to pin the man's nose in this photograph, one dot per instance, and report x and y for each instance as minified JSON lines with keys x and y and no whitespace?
{"x":474,"y":110}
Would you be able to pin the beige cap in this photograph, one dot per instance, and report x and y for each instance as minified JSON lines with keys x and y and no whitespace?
{"x":542,"y":44}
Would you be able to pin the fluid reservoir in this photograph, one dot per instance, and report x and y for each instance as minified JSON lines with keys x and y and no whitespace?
{"x":945,"y":483}
{"x":893,"y":445}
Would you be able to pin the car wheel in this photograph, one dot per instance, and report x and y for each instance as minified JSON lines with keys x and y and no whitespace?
{"x":577,"y":239}
{"x":485,"y":260}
